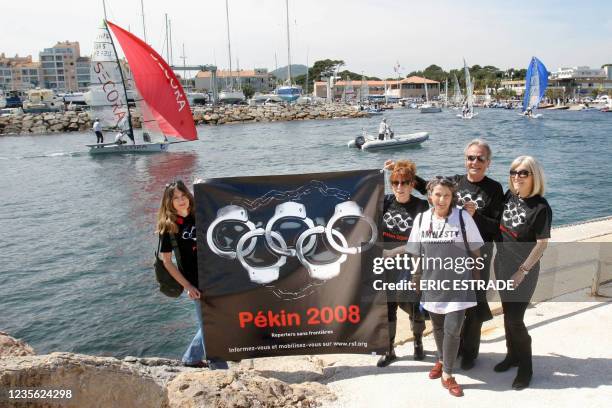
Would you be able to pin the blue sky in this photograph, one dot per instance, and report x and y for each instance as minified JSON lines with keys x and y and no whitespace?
{"x":369,"y":36}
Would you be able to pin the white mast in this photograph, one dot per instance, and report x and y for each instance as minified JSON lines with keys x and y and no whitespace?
{"x":288,"y":46}
{"x":229,"y":47}
{"x":306,"y":92}
{"x":167,"y":41}
{"x":144,"y":29}
{"x":446,"y":93}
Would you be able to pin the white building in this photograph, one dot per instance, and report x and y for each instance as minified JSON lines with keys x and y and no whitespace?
{"x":582,"y":72}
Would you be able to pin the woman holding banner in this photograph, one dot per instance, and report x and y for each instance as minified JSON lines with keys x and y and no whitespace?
{"x":445,"y":233}
{"x":525,"y":230}
{"x":399,"y":211}
{"x":176,"y":221}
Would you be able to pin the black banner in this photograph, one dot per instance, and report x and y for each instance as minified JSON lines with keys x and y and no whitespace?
{"x":285,"y":264}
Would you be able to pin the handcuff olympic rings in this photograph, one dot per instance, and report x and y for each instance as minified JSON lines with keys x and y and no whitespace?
{"x":260,"y":274}
{"x":349,"y":209}
{"x":320,"y":271}
{"x":275,"y":242}
{"x":229,"y":213}
{"x":289,"y":209}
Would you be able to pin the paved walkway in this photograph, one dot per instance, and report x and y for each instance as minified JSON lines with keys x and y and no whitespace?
{"x":572,"y":348}
{"x":572,"y":359}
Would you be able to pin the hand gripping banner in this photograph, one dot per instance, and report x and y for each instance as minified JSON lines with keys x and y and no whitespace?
{"x":285,"y":264}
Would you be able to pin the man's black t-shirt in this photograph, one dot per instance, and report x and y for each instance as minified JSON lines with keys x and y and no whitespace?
{"x":398,"y":218}
{"x":187,"y":245}
{"x":489,"y":198}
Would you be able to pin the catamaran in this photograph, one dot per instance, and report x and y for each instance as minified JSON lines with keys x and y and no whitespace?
{"x":468,"y":109}
{"x":163,"y":104}
{"x":536,"y":82}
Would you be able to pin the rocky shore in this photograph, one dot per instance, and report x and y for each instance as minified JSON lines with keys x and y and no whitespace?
{"x":70,"y":121}
{"x":158,"y":382}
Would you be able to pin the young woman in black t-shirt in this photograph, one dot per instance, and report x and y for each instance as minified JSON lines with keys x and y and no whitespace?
{"x":176,"y":216}
{"x":399,"y":211}
{"x":525,"y":230}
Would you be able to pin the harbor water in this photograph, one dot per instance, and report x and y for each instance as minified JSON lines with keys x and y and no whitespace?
{"x":78,"y":230}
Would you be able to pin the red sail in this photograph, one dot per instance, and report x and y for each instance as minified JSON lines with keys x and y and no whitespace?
{"x":158,"y":86}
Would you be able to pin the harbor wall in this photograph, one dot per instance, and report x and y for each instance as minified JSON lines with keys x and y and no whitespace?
{"x":71,"y":121}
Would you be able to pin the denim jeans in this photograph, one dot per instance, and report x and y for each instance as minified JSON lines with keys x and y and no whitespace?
{"x":196,"y":351}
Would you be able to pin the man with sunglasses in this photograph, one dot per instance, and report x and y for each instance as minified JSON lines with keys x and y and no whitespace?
{"x":483,"y":198}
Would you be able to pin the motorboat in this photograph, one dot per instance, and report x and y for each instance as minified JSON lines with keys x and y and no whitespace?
{"x":366,"y":142}
{"x":197,"y":98}
{"x":289,"y":93}
{"x":42,"y":100}
{"x":76,"y":98}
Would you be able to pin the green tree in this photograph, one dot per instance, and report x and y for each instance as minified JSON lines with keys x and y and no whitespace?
{"x":248,"y":91}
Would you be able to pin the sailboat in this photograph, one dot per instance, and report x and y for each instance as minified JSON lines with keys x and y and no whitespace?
{"x":164,"y":106}
{"x":429,"y":107}
{"x":457,"y":95}
{"x":289,"y":92}
{"x":364,"y":90}
{"x":229,"y":94}
{"x":348,"y":92}
{"x":468,"y":110}
{"x":536,"y":82}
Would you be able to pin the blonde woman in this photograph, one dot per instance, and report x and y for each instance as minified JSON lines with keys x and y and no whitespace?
{"x":176,"y":217}
{"x":525,"y":230}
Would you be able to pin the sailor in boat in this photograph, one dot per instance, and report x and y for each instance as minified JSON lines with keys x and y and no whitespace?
{"x":466,"y":110}
{"x":97,"y":128}
{"x":384,"y":130}
{"x":119,"y":138}
{"x":529,"y":112}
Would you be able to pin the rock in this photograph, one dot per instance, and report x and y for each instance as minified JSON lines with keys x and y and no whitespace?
{"x":93,"y":381}
{"x":39,"y":129}
{"x":10,"y":347}
{"x":237,"y":388}
{"x":57,"y":127}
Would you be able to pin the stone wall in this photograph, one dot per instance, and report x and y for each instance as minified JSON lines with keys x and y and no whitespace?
{"x":70,"y":121}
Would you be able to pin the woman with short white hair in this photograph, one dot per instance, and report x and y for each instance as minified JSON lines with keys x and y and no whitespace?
{"x":525,"y":230}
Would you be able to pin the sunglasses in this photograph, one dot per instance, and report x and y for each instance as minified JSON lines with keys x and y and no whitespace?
{"x":481,"y":159}
{"x":396,"y":183}
{"x":175,"y":183}
{"x":520,"y":173}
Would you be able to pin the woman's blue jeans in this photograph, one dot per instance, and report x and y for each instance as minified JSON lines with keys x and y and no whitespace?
{"x":196,"y":351}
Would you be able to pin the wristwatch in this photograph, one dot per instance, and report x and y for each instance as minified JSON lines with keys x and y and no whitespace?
{"x":523,"y":269}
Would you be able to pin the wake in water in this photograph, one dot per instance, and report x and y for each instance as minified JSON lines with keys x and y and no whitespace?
{"x":52,"y":154}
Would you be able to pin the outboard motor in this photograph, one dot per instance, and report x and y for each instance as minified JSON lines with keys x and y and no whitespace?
{"x":359,"y":141}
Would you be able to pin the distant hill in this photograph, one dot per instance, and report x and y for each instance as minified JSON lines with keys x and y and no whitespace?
{"x":296,"y":70}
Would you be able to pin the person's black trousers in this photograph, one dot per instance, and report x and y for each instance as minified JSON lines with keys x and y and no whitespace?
{"x":469,"y":345}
